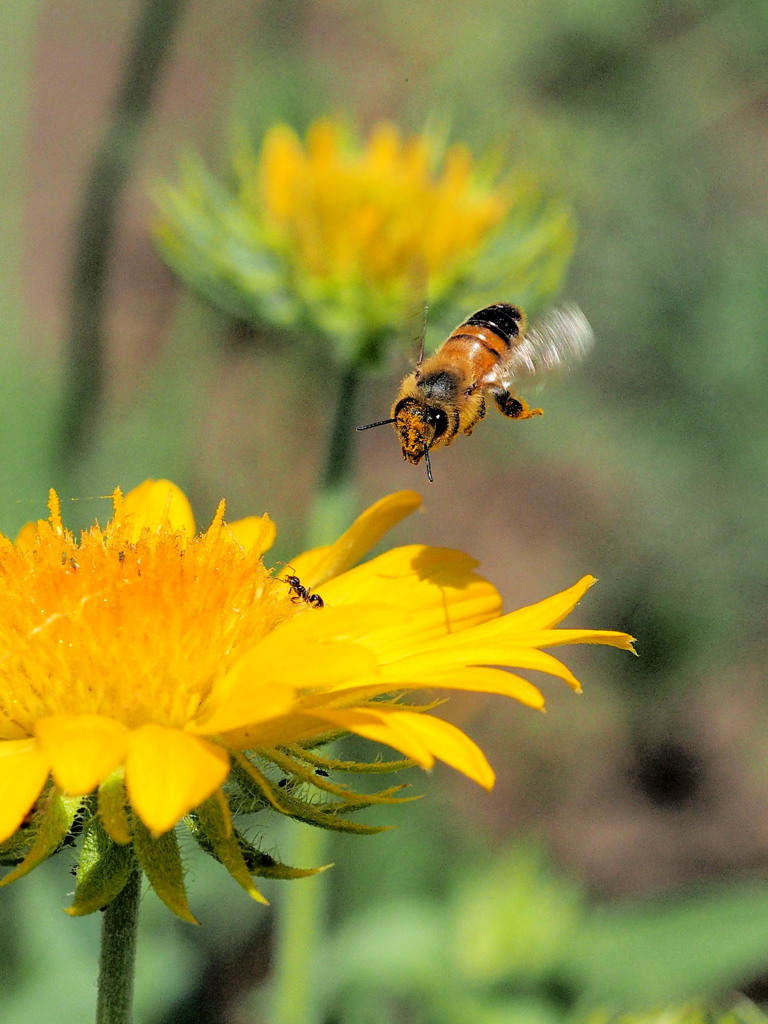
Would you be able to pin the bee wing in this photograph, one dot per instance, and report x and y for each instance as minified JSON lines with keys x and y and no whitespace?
{"x":557,"y":341}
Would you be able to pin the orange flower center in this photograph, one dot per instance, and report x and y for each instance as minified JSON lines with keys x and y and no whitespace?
{"x":133,"y":625}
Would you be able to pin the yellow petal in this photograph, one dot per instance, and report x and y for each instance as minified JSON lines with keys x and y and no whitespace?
{"x":451,"y":745}
{"x":263,"y":684}
{"x":437,"y":585}
{"x":329,"y":625}
{"x":155,"y":504}
{"x":452,"y":657}
{"x":472,"y":679}
{"x":255,"y":533}
{"x":558,"y":637}
{"x":23,"y":770}
{"x":169,"y":772}
{"x":373,"y":725}
{"x":552,"y":610}
{"x":251,"y":692}
{"x":26,"y":539}
{"x":421,"y":737}
{"x":490,"y":680}
{"x":321,"y":564}
{"x":276,"y":732}
{"x":83,"y":749}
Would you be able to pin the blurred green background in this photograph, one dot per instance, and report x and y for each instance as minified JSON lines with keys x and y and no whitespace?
{"x":627,"y":836}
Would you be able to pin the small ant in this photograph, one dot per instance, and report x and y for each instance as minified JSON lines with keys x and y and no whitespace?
{"x":301,"y":593}
{"x":318,"y":771}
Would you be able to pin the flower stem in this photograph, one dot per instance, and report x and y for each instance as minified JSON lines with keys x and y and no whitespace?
{"x":334,"y":504}
{"x":302,"y":902}
{"x":118,"y":954}
{"x":299,"y":930}
{"x":96,"y":227}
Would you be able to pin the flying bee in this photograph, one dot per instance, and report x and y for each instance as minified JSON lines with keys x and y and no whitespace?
{"x":483,"y":357}
{"x":302,"y":593}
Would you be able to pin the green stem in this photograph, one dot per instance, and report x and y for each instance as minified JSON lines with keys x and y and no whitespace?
{"x":334,"y":504}
{"x":24,"y":424}
{"x":118,"y":954}
{"x":302,"y":902}
{"x":299,"y":929}
{"x":110,"y":171}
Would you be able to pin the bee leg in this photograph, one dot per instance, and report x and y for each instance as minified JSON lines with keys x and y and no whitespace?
{"x":476,"y":414}
{"x":515,"y":408}
{"x":454,"y":425}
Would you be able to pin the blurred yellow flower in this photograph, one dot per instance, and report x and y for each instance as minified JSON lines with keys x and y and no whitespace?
{"x":345,"y":239}
{"x":155,"y":666}
{"x":378,"y":216}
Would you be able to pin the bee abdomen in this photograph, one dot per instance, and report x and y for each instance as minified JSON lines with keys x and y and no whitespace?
{"x":502,"y":318}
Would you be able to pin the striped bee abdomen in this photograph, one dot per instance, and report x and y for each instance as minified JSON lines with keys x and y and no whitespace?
{"x":502,"y":318}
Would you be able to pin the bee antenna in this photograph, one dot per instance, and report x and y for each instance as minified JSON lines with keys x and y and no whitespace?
{"x":379,"y":423}
{"x":423,"y":335}
{"x":429,"y":467}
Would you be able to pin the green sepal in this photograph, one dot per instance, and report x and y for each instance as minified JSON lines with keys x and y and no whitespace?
{"x":352,"y":767}
{"x":322,"y":815}
{"x":256,"y":861}
{"x":51,"y":829}
{"x":327,"y":815}
{"x":113,"y":808}
{"x":527,"y":257}
{"x":255,"y":787}
{"x":16,"y":847}
{"x":216,"y":824}
{"x":104,"y":868}
{"x":322,"y":740}
{"x":251,"y":796}
{"x":215,"y":247}
{"x":260,"y":863}
{"x":161,"y":861}
{"x":350,"y":799}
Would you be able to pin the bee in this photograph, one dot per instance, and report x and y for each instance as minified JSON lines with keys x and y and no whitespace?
{"x":483,"y":357}
{"x":301,"y":593}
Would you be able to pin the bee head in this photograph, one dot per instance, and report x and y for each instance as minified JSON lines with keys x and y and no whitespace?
{"x":418,"y":426}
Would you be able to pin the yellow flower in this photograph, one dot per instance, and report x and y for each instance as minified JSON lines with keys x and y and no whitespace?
{"x":173,"y":675}
{"x":373,"y":216}
{"x":345,"y":239}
